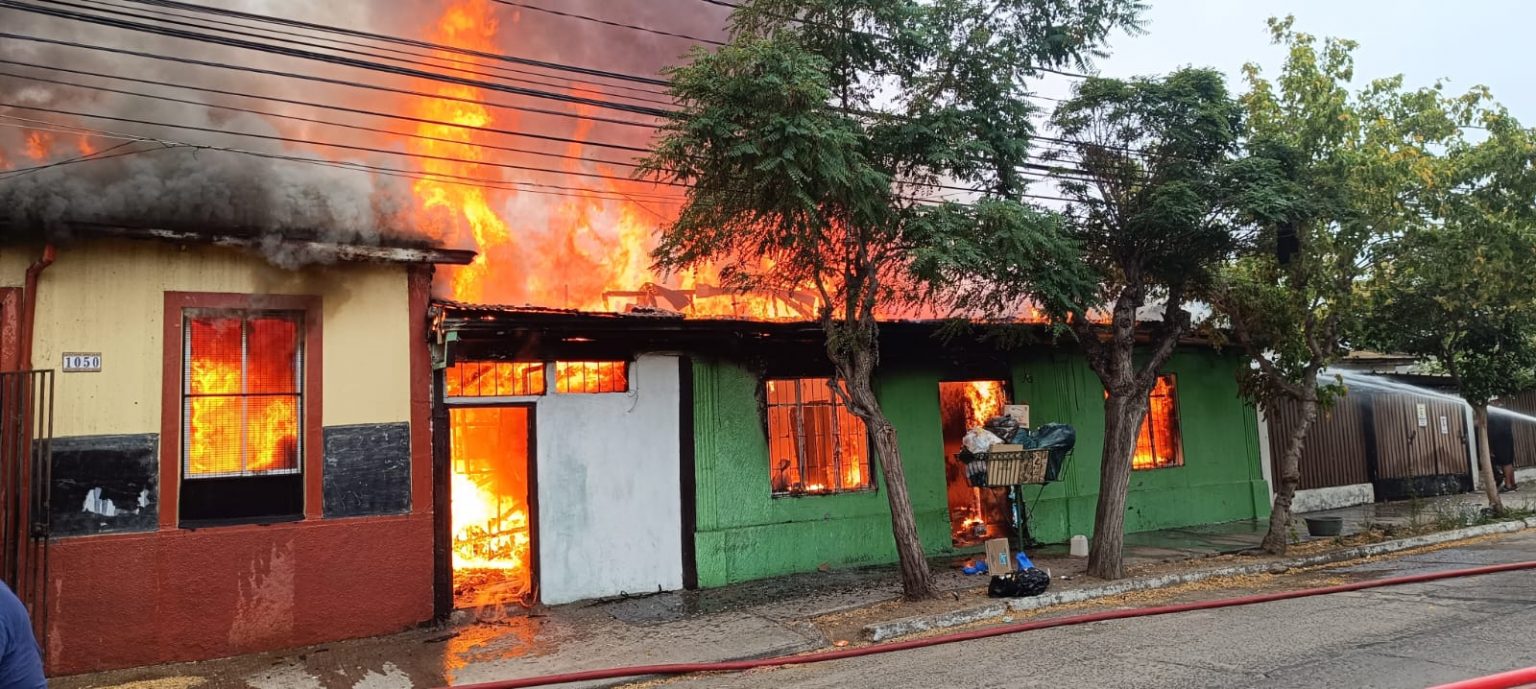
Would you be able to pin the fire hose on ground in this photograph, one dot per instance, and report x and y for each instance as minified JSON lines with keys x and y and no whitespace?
{"x":1501,"y":681}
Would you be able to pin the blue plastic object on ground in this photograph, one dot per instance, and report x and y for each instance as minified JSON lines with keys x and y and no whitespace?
{"x":979,"y":568}
{"x":1024,"y":562}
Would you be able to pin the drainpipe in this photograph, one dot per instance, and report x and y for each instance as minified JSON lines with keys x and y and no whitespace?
{"x":29,"y":305}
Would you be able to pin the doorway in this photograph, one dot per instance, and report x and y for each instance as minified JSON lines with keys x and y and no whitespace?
{"x":975,"y":514}
{"x":493,"y":511}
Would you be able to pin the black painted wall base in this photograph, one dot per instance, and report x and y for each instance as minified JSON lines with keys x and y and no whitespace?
{"x":105,"y":484}
{"x":367,"y":469}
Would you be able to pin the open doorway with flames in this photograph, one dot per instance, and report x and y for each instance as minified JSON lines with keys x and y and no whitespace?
{"x":975,"y":514}
{"x":491,"y":483}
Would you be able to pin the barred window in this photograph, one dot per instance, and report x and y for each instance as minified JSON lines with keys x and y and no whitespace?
{"x":591,"y":376}
{"x":242,"y":393}
{"x":1158,"y":443}
{"x":815,"y":446}
{"x":494,"y":379}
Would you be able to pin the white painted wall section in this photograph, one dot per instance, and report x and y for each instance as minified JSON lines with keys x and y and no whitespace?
{"x":610,"y":503}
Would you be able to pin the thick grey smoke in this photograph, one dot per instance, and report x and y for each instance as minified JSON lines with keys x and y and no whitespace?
{"x":199,"y":187}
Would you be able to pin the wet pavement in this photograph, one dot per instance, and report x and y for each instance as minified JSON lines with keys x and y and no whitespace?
{"x":763,"y":618}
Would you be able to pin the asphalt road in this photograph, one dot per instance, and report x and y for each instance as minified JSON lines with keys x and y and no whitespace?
{"x":1405,"y":637}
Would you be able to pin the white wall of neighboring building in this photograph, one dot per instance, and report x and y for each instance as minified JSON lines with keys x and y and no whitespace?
{"x":609,"y":492}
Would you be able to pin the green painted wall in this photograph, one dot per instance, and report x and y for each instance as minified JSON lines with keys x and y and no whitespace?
{"x":744,"y":533}
{"x":1221,"y":479}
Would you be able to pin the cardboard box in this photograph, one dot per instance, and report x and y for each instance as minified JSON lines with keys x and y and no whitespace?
{"x":1018,"y":412}
{"x":999,"y":560}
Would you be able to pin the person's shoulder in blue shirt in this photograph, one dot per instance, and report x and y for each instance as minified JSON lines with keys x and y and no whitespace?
{"x":21,"y":667}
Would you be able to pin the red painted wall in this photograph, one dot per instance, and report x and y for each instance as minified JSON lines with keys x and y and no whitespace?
{"x":136,"y":599}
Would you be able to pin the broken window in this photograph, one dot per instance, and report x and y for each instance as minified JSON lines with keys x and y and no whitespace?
{"x":494,"y":379}
{"x":242,"y":414}
{"x":815,"y":446}
{"x":591,"y":376}
{"x":1158,"y":443}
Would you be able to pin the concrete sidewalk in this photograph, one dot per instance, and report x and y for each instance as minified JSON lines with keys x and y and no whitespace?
{"x":771,"y":617}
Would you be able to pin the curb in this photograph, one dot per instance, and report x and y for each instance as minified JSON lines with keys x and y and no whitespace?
{"x":882,"y":631}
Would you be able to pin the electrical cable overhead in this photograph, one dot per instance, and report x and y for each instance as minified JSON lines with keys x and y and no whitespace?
{"x":355,"y":33}
{"x":411,"y":58}
{"x":330,"y":144}
{"x":327,"y":123}
{"x":312,"y":104}
{"x":609,"y":22}
{"x":98,"y":155}
{"x":466,"y":180}
{"x":319,"y":79}
{"x":330,"y":59}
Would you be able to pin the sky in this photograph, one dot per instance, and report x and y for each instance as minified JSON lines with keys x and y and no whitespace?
{"x":1467,"y":42}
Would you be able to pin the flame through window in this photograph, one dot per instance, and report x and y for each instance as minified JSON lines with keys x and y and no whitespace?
{"x":591,"y":376}
{"x":814,"y":444}
{"x":494,"y":379}
{"x":1158,"y":443}
{"x":242,"y":393}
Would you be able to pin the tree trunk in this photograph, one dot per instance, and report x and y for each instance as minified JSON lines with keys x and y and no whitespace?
{"x":1123,"y":415}
{"x":1485,"y":459}
{"x":916,"y":580}
{"x":1278,"y":539}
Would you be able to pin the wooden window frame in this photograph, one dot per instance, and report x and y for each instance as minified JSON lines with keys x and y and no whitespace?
{"x":312,"y":456}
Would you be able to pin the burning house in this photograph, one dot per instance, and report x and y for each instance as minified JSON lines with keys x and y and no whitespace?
{"x":696,"y":452}
{"x":237,"y":449}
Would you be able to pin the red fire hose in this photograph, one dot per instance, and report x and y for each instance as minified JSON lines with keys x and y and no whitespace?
{"x":742,"y":665}
{"x":1514,"y":679}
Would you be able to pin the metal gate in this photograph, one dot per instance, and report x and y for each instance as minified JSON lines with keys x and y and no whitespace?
{"x":26,"y":435}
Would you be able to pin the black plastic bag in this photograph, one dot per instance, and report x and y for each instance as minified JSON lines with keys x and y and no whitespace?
{"x":1030,"y":582}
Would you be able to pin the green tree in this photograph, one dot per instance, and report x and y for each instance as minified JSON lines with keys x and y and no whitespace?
{"x":1457,"y":289}
{"x":1327,"y":176}
{"x":806,"y":142}
{"x":1145,"y":168}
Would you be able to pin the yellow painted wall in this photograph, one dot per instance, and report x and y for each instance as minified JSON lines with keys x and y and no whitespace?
{"x":108,"y":297}
{"x":13,"y":263}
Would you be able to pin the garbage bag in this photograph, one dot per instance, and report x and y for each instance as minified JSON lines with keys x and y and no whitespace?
{"x":1060,"y":439}
{"x":1030,"y":582}
{"x":1002,"y":426}
{"x":979,"y":441}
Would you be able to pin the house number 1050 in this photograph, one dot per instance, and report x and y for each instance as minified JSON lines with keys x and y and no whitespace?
{"x":81,"y":362}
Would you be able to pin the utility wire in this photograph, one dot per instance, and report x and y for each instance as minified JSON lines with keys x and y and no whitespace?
{"x":319,"y":79}
{"x":329,"y":144}
{"x":98,"y":155}
{"x":407,"y":41}
{"x":305,"y":40}
{"x":330,"y":59}
{"x":312,"y":104}
{"x":328,"y":123}
{"x":462,"y":180}
{"x":609,"y":22}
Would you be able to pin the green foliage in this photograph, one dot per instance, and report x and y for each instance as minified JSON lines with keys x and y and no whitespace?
{"x":1328,"y":175}
{"x":806,"y":141}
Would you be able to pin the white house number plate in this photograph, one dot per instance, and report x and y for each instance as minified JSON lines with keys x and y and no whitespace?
{"x":82,"y":362}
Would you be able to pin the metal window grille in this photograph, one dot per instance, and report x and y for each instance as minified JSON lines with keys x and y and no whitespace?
{"x":1158,"y":443}
{"x":591,"y":376}
{"x":815,"y":446}
{"x":242,"y":393}
{"x":494,"y":379}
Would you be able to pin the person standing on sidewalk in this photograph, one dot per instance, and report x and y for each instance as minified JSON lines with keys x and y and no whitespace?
{"x":21,"y":666}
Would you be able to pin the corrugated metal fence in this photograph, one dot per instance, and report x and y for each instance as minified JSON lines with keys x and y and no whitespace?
{"x":1377,"y":438}
{"x":1523,"y":430}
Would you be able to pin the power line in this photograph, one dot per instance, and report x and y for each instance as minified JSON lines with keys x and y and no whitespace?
{"x":319,"y":79}
{"x":322,"y":106}
{"x":330,"y":59}
{"x":309,"y":40}
{"x":328,"y":123}
{"x":355,"y":33}
{"x":98,"y":155}
{"x":328,"y":144}
{"x":463,"y":180}
{"x":609,"y":22}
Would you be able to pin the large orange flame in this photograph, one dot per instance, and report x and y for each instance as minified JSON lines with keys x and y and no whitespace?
{"x":983,"y":400}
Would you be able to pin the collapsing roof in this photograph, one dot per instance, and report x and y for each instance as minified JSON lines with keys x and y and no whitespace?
{"x":286,"y":247}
